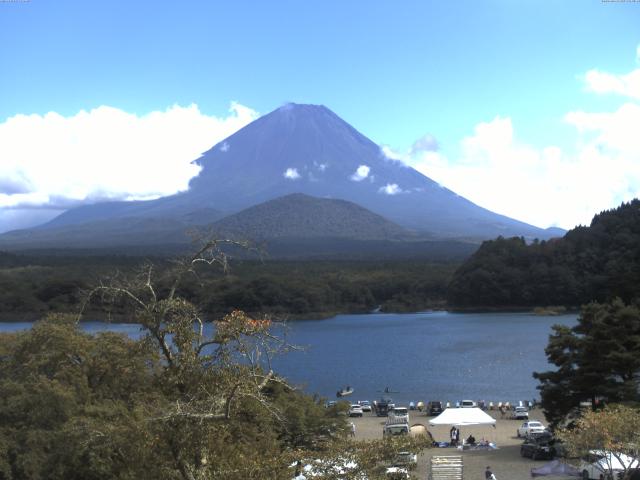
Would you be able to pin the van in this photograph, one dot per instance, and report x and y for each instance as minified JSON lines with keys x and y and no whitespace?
{"x":395,"y":428}
{"x":400,"y":414}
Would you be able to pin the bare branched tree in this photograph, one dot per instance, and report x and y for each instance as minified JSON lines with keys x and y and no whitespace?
{"x":211,"y":366}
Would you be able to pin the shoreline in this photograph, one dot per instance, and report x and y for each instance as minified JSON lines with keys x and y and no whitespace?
{"x":319,"y":316}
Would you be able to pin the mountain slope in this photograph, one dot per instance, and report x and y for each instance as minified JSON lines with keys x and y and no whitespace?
{"x":309,"y":149}
{"x":296,"y":226}
{"x":303,"y":149}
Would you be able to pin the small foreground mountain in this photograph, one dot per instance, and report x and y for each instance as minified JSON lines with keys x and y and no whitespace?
{"x":301,"y":216}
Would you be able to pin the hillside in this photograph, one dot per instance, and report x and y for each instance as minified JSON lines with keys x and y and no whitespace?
{"x":296,"y":226}
{"x":302,"y":216}
{"x":597,"y":262}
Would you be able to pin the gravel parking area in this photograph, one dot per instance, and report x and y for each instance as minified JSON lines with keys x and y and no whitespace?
{"x":506,"y":462}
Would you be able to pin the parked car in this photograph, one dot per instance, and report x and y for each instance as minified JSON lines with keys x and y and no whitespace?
{"x":405,"y":458}
{"x":392,"y":428}
{"x":468,"y":404}
{"x":336,"y":468}
{"x":365,"y":404}
{"x":400,"y":414}
{"x":608,"y":464}
{"x":435,"y":408}
{"x":355,"y":410}
{"x":399,"y":469}
{"x":527,"y":428}
{"x":397,"y":473}
{"x":539,"y":446}
{"x":520,"y":413}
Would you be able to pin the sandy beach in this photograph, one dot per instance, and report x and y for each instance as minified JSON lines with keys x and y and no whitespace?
{"x":506,"y":462}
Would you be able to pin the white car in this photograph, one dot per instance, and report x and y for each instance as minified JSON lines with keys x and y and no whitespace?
{"x":527,"y":428}
{"x":468,"y":404}
{"x":355,"y":410}
{"x":365,"y":404}
{"x":608,"y":464}
{"x":399,"y":414}
{"x":520,"y":413}
{"x":394,"y":428}
{"x":397,"y":473}
{"x":336,"y":468}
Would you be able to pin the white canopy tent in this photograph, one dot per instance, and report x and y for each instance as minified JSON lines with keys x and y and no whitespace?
{"x":462,"y":417}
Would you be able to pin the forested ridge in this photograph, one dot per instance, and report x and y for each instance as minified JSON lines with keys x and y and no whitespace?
{"x":31,"y":286}
{"x":594,"y":263}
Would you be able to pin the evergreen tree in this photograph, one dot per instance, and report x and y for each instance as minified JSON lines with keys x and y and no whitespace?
{"x":598,"y":360}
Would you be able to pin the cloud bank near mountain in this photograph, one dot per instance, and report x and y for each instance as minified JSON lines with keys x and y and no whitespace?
{"x":547,"y":185}
{"x":55,"y":161}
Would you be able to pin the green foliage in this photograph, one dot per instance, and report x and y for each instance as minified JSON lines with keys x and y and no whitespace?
{"x":77,"y":406}
{"x":597,"y":361}
{"x":176,"y":404}
{"x":614,"y":430}
{"x":595,"y":263}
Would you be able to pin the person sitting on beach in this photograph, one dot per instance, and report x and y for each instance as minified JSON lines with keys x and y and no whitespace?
{"x":471,"y":440}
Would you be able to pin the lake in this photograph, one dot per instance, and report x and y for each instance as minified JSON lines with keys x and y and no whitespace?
{"x":421,"y":356}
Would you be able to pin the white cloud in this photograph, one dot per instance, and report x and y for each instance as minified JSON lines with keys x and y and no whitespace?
{"x":426,"y":143}
{"x":106,"y":153}
{"x":549,"y":185}
{"x":391,"y":189}
{"x":291,"y":173}
{"x":389,"y":154}
{"x":361,"y":173}
{"x":545,"y":186}
{"x":225,"y":147}
{"x":627,"y":85}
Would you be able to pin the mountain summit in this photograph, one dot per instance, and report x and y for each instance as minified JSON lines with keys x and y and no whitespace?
{"x":308,"y":149}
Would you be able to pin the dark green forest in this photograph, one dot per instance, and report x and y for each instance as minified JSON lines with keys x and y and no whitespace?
{"x":33,"y":285}
{"x":594,"y":263}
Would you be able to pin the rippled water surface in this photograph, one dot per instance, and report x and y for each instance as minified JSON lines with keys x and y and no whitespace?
{"x":421,"y":356}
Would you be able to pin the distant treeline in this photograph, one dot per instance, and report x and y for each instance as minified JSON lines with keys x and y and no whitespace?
{"x":595,"y":263}
{"x":31,"y":286}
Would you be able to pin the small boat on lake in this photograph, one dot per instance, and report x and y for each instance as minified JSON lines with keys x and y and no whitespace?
{"x":344,"y":392}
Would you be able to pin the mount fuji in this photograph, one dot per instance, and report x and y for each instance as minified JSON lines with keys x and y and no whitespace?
{"x":296,"y":149}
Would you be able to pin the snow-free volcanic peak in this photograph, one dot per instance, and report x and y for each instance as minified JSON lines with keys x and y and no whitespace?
{"x":309,"y":149}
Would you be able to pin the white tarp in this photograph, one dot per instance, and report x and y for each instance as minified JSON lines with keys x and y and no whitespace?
{"x":462,"y":417}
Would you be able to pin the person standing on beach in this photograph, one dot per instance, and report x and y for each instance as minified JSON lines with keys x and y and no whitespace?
{"x":353,"y":429}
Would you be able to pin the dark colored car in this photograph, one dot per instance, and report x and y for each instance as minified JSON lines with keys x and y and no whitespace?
{"x":541,"y":446}
{"x":434,"y":409}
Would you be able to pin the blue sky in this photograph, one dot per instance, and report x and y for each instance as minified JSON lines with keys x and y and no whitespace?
{"x":395,"y":70}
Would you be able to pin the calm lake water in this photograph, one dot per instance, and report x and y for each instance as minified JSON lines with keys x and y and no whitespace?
{"x":422,"y":356}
